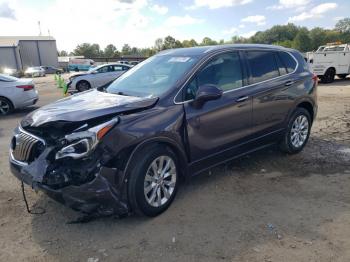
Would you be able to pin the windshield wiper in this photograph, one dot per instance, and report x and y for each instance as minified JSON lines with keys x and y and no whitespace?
{"x":122,"y":94}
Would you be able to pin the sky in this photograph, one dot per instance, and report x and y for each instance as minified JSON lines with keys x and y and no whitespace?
{"x":140,"y":22}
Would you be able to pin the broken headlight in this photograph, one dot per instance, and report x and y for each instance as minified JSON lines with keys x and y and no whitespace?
{"x":81,"y":144}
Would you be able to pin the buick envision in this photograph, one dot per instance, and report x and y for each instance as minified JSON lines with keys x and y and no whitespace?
{"x":126,"y":147}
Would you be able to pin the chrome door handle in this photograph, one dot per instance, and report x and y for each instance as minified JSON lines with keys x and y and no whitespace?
{"x":242,"y":99}
{"x":289,"y":83}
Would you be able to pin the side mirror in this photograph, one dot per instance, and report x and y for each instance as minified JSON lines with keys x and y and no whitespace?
{"x":206,"y":93}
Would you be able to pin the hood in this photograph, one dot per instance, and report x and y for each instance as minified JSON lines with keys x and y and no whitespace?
{"x":86,"y":106}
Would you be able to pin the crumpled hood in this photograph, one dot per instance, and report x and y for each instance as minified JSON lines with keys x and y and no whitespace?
{"x":85,"y":106}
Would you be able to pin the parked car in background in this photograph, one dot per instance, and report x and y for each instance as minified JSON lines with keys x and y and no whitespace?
{"x":123,"y":62}
{"x":133,"y":63}
{"x":330,"y":61}
{"x":172,"y":116}
{"x":52,"y":70}
{"x":80,"y":64}
{"x":16,"y":93}
{"x":96,"y":76}
{"x":35,"y":71}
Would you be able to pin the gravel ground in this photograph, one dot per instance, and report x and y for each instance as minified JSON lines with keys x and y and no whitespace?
{"x":263,"y":207}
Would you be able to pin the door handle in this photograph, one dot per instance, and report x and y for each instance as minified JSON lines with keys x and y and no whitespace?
{"x":242,"y":98}
{"x":289,"y":83}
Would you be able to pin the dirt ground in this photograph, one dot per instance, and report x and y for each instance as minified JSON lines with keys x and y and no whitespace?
{"x":263,"y":207}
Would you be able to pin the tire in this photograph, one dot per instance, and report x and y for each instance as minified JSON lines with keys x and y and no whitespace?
{"x":290,"y":145}
{"x":342,"y":76}
{"x":83,"y":86}
{"x":328,"y":76}
{"x":143,"y":179}
{"x":6,"y":106}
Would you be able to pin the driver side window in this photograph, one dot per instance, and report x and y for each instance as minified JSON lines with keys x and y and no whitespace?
{"x":224,"y":71}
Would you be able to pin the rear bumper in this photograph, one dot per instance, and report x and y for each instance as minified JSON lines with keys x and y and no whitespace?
{"x":97,"y":196}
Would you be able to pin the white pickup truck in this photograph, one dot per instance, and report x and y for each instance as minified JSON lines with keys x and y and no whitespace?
{"x":330,"y":60}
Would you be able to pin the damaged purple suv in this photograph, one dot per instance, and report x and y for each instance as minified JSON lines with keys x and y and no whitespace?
{"x":125,"y":147}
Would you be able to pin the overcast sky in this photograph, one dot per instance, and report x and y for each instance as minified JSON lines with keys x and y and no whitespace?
{"x":140,"y":22}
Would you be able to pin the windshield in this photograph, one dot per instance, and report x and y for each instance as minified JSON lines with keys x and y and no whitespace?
{"x":152,"y":77}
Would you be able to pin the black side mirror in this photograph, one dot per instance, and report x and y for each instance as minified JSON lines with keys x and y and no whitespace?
{"x":206,"y":93}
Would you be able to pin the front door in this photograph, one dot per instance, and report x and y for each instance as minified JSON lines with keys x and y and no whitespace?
{"x":219,"y":124}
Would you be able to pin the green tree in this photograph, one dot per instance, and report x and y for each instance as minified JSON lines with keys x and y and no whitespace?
{"x":189,"y":43}
{"x":62,"y":53}
{"x":318,"y":37}
{"x":208,"y":41}
{"x":126,"y":49}
{"x":169,"y":42}
{"x":302,"y":41}
{"x":158,"y":44}
{"x":285,"y":43}
{"x":343,"y":25}
{"x":110,"y":51}
{"x":88,"y":50}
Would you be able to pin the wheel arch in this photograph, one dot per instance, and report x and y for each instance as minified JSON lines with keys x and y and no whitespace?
{"x":307,"y":105}
{"x":168,"y":142}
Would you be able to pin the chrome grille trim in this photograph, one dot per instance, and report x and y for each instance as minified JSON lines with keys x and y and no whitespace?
{"x":24,"y":146}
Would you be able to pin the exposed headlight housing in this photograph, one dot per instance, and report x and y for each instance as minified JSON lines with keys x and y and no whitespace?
{"x":84,"y":142}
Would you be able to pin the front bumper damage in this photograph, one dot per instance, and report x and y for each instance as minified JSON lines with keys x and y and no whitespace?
{"x":100,"y":195}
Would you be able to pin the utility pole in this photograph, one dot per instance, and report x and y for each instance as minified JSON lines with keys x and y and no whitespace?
{"x":39,"y":28}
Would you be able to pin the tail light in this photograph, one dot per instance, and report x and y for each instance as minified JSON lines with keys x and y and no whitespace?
{"x":315,"y":78}
{"x":26,"y":87}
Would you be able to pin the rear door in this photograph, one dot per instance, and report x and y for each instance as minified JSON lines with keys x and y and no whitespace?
{"x":221,"y":123}
{"x":272,"y":80}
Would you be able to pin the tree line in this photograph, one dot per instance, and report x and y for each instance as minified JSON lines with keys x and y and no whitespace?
{"x":289,"y":35}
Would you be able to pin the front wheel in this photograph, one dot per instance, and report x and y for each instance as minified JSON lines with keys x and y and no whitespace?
{"x":297,"y":133}
{"x":83,"y":86}
{"x":153,"y":180}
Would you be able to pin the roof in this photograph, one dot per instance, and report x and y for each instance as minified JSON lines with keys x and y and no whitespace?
{"x":202,"y":50}
{"x":13,"y":40}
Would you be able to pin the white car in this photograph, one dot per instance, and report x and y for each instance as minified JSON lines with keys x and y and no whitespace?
{"x":96,"y":76}
{"x":35,"y":71}
{"x":16,"y":93}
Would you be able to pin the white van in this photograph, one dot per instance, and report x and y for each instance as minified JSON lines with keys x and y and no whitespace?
{"x":330,"y":60}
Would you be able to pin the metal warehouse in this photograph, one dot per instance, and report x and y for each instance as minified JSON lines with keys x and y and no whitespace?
{"x":20,"y":52}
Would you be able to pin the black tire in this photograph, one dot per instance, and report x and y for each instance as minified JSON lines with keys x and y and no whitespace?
{"x":76,"y":69}
{"x":286,"y":144}
{"x":6,"y":106}
{"x":83,"y":86}
{"x":342,"y":76}
{"x":328,"y":76}
{"x":139,"y":167}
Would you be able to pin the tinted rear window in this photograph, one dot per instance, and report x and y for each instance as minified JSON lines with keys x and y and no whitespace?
{"x":288,"y":61}
{"x":262,"y":65}
{"x":280,"y":65}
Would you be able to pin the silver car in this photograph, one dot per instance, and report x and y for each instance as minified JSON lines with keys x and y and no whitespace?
{"x":96,"y":76}
{"x":16,"y":93}
{"x":35,"y":71}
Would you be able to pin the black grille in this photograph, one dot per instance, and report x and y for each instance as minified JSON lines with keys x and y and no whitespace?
{"x":25,"y":147}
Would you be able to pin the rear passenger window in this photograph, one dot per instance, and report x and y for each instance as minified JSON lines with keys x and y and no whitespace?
{"x":262,"y":65}
{"x":281,"y":67}
{"x":288,"y":61}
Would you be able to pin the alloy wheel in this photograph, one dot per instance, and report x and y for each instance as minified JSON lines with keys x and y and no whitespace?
{"x":299,"y":132}
{"x":160,"y":181}
{"x":4,"y":107}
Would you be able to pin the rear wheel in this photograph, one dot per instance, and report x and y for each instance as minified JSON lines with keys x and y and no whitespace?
{"x":297,"y":133}
{"x":328,"y":76}
{"x":83,"y":86}
{"x":6,"y":106}
{"x":153,"y":180}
